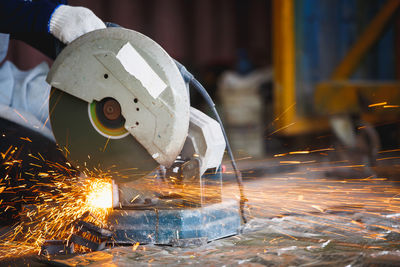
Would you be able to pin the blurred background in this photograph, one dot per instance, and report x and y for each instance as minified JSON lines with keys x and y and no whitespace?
{"x":202,"y":33}
{"x":286,"y":74}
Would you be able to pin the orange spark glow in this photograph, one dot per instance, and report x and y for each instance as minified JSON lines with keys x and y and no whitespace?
{"x":391,"y":106}
{"x":377,"y":104}
{"x":100,"y":194}
{"x":53,"y":216}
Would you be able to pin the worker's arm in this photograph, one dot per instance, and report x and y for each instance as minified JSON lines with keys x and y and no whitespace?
{"x":23,"y":16}
{"x":36,"y":22}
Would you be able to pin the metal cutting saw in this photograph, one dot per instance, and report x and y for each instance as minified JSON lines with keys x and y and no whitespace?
{"x":120,"y":104}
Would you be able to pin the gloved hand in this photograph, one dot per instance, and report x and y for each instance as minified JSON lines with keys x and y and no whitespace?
{"x":68,"y":23}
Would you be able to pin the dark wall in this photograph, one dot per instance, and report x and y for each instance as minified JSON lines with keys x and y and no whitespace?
{"x":200,"y":33}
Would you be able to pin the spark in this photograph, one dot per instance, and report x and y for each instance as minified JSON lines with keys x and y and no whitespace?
{"x":284,"y":112}
{"x":299,"y":152}
{"x":135,"y":246}
{"x":303,"y":152}
{"x":391,"y":150}
{"x":391,"y":106}
{"x":105,"y":146}
{"x":388,"y":158}
{"x":26,"y":139}
{"x":377,"y":104}
{"x":63,"y":200}
{"x":281,"y":129}
{"x":19,"y":114}
{"x":318,"y":208}
{"x":133,"y":199}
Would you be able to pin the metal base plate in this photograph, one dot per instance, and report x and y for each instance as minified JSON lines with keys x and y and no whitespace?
{"x":174,"y":227}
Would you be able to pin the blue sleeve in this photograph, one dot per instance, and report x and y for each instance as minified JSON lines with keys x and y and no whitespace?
{"x":26,"y":16}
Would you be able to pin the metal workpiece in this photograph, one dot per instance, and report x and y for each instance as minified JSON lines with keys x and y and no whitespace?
{"x":174,"y":226}
{"x":93,"y":229}
{"x":81,"y":241}
{"x":89,"y":235}
{"x":56,"y":247}
{"x":84,"y":234}
{"x":187,"y":209}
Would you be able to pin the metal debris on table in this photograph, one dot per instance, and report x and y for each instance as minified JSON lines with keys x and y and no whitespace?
{"x":57,"y":247}
{"x":87,"y":235}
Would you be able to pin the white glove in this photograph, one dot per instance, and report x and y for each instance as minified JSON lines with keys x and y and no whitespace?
{"x":68,"y":23}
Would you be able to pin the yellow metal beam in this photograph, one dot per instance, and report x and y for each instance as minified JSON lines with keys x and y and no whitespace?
{"x":287,"y":121}
{"x":366,"y":40}
{"x":341,"y":96}
{"x":284,"y":62}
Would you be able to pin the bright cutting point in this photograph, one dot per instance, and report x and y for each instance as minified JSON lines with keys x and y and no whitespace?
{"x":100,"y":194}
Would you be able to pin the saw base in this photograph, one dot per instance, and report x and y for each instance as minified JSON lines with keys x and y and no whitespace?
{"x":178,"y":222}
{"x":176,"y":227}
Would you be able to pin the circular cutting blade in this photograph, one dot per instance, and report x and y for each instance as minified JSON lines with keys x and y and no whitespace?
{"x":91,"y":141}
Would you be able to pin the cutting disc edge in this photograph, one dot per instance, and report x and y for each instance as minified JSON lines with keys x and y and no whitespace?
{"x":87,"y":148}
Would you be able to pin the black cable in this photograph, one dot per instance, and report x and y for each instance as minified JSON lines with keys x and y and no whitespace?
{"x":189,"y":78}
